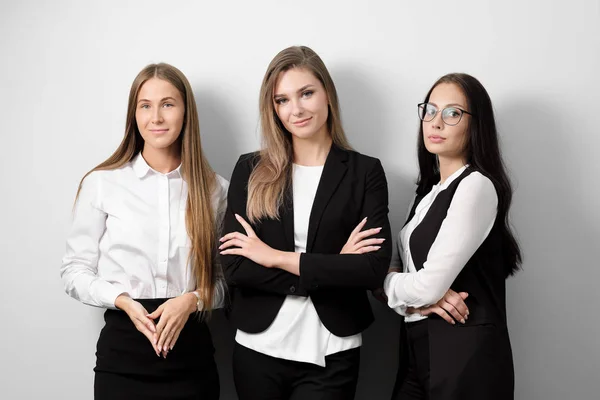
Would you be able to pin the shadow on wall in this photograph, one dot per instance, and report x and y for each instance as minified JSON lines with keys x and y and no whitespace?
{"x":221,"y":145}
{"x":551,"y":215}
{"x":221,"y":141}
{"x":366,"y":130}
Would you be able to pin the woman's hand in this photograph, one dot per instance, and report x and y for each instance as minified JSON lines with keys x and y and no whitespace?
{"x":173,"y":314}
{"x":249,"y":246}
{"x":139,"y":316}
{"x":451,"y":307}
{"x":359,"y":244}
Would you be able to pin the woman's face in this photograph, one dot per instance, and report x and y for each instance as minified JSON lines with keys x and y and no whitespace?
{"x":301,"y":104}
{"x":440,"y":138}
{"x":160,"y":113}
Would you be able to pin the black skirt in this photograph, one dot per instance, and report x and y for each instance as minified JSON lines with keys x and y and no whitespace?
{"x":128,"y":368}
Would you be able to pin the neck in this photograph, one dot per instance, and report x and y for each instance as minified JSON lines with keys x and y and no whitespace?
{"x":449,"y":165}
{"x":163,"y":160}
{"x":313,"y":151}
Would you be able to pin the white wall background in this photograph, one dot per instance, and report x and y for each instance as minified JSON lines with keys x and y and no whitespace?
{"x":65,"y":72}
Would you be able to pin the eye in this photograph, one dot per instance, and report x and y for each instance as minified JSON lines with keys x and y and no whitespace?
{"x":168,"y":105}
{"x":452,"y":112}
{"x":430,"y":110}
{"x":145,"y":106}
{"x":281,"y":101}
{"x":307,"y":93}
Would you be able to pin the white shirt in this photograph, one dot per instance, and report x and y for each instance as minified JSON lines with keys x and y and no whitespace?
{"x":128,"y":235}
{"x":297,"y":333}
{"x":470,"y":218}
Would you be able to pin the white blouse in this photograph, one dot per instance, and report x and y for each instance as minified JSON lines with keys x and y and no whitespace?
{"x":128,"y":235}
{"x":470,"y":218}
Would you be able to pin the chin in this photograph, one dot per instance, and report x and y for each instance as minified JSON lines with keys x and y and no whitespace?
{"x":433,"y":149}
{"x":160,"y":144}
{"x":303,"y":135}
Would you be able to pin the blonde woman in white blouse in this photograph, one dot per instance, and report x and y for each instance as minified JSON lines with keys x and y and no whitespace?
{"x":143,"y":245}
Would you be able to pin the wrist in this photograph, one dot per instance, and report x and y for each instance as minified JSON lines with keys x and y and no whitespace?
{"x":277,"y":260}
{"x":289,"y":261}
{"x":195,"y":301}
{"x":123,"y":301}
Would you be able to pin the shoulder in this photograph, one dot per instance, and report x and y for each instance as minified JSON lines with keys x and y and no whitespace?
{"x":362,"y":162}
{"x":97,"y":177}
{"x":248,"y":160}
{"x":243,"y":168}
{"x":221,"y":186}
{"x":477,"y":186}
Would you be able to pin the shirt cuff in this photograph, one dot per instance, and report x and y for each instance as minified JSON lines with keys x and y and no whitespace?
{"x":108,"y":293}
{"x":389,"y":287}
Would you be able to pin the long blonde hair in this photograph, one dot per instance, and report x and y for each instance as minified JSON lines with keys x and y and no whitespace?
{"x":272,"y":174}
{"x":195,"y":169}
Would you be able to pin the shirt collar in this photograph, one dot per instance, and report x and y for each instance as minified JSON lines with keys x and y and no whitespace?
{"x":141,"y":168}
{"x":452,"y":177}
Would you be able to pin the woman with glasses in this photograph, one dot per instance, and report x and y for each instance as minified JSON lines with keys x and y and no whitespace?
{"x":449,"y":266}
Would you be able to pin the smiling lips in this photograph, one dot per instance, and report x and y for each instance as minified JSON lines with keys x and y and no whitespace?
{"x":302,"y":122}
{"x":159,"y":131}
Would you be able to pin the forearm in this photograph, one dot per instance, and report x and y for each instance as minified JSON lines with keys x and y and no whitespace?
{"x":244,"y":273}
{"x":344,"y":270}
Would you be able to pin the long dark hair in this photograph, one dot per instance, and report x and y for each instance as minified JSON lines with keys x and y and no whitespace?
{"x":482,"y":153}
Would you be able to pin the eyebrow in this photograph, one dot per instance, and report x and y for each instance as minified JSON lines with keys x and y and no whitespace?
{"x":163,"y":99}
{"x":302,"y":89}
{"x":449,"y":105}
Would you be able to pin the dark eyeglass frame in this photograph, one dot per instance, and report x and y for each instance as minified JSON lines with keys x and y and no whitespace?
{"x":442,"y":110}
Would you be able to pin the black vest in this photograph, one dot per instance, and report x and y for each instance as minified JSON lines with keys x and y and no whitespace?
{"x":483,"y":277}
{"x":474,"y":360}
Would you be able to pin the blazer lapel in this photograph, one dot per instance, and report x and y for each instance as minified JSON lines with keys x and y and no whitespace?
{"x":333,"y":171}
{"x":287,"y":219}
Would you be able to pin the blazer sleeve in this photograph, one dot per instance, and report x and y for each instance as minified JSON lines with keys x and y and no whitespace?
{"x":240,"y":271}
{"x":356,"y":270}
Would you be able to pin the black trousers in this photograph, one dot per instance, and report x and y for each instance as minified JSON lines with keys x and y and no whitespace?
{"x":128,"y":368}
{"x":261,"y":377}
{"x":416,"y":384}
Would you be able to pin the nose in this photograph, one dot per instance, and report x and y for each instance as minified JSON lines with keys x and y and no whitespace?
{"x":297,"y":108}
{"x":157,"y":116}
{"x":436,"y":122}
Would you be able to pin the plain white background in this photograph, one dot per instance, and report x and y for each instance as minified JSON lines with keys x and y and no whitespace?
{"x":65,"y":74}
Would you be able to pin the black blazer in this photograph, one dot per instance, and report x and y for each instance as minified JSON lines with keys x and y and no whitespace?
{"x":352,"y":186}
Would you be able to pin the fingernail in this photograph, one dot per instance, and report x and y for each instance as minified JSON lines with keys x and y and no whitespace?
{"x":365,"y":219}
{"x":462,"y":321}
{"x":382,"y":240}
{"x":467,"y":316}
{"x":467,"y":312}
{"x":237,"y":216}
{"x":453,"y":322}
{"x":377,"y":247}
{"x":378,"y":229}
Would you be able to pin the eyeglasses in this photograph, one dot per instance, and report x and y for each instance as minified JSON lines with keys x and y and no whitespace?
{"x":450,"y":115}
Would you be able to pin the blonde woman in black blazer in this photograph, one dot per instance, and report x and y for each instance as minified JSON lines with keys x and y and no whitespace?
{"x":308,"y":236}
